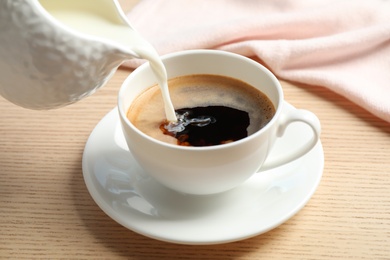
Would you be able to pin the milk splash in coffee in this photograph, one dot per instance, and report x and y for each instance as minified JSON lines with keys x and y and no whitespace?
{"x":91,"y":17}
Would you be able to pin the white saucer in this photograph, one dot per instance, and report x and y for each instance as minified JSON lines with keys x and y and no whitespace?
{"x":126,"y":194}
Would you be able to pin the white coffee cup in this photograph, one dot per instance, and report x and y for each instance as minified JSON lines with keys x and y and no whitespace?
{"x":212,"y":169}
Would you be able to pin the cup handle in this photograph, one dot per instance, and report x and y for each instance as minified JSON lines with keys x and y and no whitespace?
{"x":289,"y":115}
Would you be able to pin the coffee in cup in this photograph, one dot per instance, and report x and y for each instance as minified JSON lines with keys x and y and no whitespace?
{"x":216,"y":168}
{"x":211,"y":110}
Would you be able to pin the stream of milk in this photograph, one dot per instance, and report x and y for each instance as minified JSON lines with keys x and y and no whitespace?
{"x":99,"y":18}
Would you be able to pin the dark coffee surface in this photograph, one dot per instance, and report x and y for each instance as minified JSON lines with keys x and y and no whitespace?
{"x":205,"y":126}
{"x":202,"y":91}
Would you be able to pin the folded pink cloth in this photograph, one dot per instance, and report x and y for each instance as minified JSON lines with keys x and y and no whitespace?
{"x":342,"y":45}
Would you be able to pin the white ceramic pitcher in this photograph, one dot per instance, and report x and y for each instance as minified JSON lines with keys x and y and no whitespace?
{"x":46,"y":63}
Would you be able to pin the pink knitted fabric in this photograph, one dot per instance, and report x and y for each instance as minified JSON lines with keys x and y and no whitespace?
{"x":342,"y":45}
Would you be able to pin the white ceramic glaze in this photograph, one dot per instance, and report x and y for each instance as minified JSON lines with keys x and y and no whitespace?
{"x":213,"y":169}
{"x":127,"y":194}
{"x":45,"y":63}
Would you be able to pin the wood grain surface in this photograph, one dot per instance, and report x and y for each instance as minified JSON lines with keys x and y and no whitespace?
{"x":46,"y":211}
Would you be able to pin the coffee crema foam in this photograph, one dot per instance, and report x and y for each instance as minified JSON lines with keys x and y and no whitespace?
{"x":199,"y":90}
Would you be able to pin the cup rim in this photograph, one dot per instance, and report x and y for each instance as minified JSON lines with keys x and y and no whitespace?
{"x":125,"y":85}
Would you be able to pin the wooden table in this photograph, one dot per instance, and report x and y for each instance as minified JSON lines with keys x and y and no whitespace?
{"x":47,"y":212}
